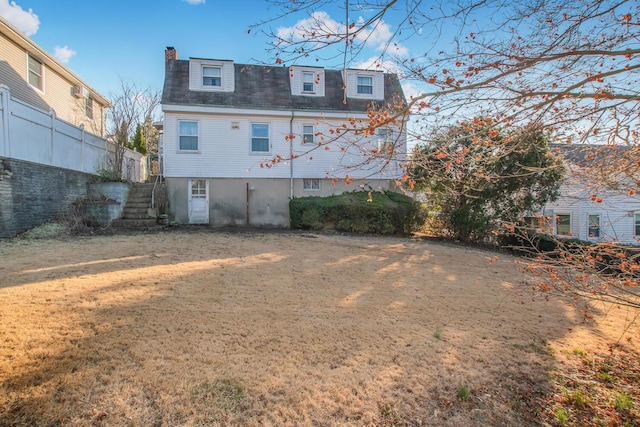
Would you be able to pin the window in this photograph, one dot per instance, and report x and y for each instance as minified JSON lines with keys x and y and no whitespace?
{"x":211,"y":76}
{"x":35,"y":73}
{"x":563,"y":225}
{"x":385,"y":139}
{"x":88,"y":107}
{"x":311,"y":184}
{"x":637,"y":224}
{"x":365,"y":85}
{"x":259,"y":138}
{"x":188,"y":136}
{"x":307,"y":134}
{"x":307,"y":82}
{"x":594,"y":226}
{"x":534,"y":222}
{"x":198,"y":188}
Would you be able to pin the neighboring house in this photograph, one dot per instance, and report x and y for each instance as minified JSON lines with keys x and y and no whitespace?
{"x":225,"y":123}
{"x":588,"y":210}
{"x":35,"y":77}
{"x":52,"y":135}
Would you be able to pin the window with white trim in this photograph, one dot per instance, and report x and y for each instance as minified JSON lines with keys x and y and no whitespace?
{"x":188,"y":136}
{"x":563,"y":224}
{"x":307,"y":82}
{"x":307,"y":134}
{"x":35,"y":73}
{"x":365,"y":85}
{"x":259,"y":138}
{"x":536,"y":222}
{"x":88,"y":107}
{"x":211,"y":76}
{"x":637,"y":224}
{"x":311,"y":184}
{"x":593,"y":230}
{"x":385,"y":139}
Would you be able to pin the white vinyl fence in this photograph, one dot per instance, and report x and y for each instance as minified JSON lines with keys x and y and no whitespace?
{"x":34,"y":135}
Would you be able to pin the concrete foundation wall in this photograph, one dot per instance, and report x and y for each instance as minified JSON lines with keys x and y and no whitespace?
{"x":268,"y":199}
{"x":32,"y":194}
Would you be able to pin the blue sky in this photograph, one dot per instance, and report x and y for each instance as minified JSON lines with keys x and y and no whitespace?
{"x":102,"y":41}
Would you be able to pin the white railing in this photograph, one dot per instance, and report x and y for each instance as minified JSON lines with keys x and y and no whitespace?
{"x":34,"y":135}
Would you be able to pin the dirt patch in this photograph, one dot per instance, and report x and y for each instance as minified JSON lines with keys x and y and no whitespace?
{"x":281,"y":329}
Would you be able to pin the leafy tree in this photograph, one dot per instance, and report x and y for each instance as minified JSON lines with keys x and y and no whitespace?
{"x":139,"y":144}
{"x":479,"y":177}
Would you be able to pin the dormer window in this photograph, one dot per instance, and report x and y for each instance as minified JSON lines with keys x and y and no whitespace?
{"x":211,"y":76}
{"x":307,"y":82}
{"x":365,"y":85}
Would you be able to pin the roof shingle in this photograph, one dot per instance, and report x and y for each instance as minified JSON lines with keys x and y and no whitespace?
{"x":258,"y":86}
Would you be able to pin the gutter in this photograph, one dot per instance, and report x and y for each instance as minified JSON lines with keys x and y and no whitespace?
{"x":291,"y":155}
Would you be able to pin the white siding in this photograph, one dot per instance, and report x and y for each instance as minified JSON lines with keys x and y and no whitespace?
{"x":56,"y":93}
{"x":295,"y":77}
{"x":224,"y":150}
{"x":617,"y":221}
{"x":378,"y":84}
{"x":195,"y":75}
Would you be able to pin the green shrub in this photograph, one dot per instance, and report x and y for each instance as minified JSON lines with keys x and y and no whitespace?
{"x":383,"y":213}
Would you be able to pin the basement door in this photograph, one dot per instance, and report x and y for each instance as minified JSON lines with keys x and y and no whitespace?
{"x":198,"y":201}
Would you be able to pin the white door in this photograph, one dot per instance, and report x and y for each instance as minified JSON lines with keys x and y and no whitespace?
{"x":198,"y":201}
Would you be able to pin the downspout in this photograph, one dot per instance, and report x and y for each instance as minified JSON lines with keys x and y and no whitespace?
{"x":291,"y":156}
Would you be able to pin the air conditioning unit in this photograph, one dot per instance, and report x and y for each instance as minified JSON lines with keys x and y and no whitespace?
{"x":80,"y":92}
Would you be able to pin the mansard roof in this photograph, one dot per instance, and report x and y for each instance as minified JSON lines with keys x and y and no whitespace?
{"x":269,"y":87}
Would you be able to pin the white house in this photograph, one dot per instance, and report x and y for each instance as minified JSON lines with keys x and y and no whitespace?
{"x":241,"y":140}
{"x":588,"y":210}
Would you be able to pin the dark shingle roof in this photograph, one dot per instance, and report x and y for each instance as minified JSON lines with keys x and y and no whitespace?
{"x":258,"y":86}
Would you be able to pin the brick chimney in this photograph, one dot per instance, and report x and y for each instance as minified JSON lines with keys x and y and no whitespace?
{"x":170,"y":53}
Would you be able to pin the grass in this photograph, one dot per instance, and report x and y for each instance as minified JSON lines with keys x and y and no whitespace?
{"x":562,"y":416}
{"x":216,"y":328}
{"x":463,"y":392}
{"x":437,"y":334}
{"x":46,"y":231}
{"x":623,"y":402}
{"x":576,"y":397}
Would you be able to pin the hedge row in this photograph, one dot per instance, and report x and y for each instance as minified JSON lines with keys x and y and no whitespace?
{"x":383,"y":213}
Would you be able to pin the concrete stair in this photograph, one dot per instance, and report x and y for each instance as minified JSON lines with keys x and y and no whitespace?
{"x":135,"y":215}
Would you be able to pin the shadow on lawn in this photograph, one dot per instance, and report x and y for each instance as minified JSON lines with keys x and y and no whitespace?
{"x":255,"y":330}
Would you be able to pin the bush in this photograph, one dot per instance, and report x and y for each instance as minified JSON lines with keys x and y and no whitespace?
{"x":384,"y":213}
{"x":526,"y":241}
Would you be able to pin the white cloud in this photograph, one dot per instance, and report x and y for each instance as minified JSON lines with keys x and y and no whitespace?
{"x":411,"y":90}
{"x":320,"y":28}
{"x":24,"y":20}
{"x":63,"y":54}
{"x":315,"y":27}
{"x":374,"y":63}
{"x":195,"y":1}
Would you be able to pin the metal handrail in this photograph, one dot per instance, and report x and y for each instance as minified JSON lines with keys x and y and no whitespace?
{"x":153,"y":192}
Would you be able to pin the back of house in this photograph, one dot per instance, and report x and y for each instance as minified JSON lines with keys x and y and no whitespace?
{"x":241,"y":140}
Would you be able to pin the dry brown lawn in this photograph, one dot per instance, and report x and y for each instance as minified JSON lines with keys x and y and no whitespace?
{"x":280,"y":329}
